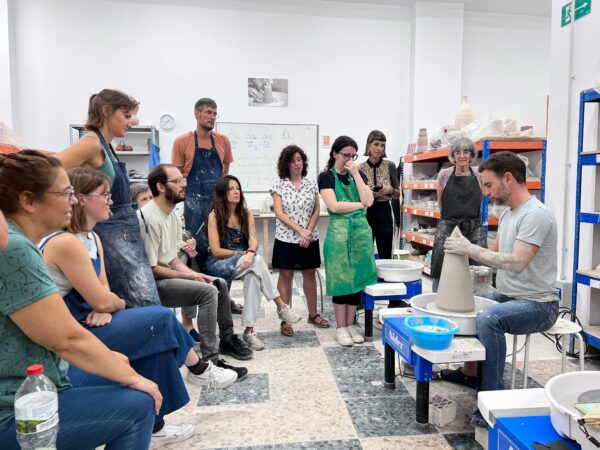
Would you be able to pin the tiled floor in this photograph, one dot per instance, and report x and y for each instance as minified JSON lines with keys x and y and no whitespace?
{"x":306,"y":392}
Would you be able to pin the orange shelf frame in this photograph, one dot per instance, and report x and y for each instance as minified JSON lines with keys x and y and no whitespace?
{"x":419,"y":239}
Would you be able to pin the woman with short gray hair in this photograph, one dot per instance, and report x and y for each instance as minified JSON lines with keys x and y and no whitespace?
{"x":459,"y":197}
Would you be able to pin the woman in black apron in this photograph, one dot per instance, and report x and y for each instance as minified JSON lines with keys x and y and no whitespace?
{"x":110,"y":114}
{"x":459,"y":195}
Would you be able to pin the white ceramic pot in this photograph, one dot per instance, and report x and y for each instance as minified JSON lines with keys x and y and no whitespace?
{"x":465,"y":115}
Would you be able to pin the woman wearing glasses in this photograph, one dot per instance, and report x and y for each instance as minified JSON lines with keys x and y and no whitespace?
{"x":348,"y":247}
{"x":36,"y":328}
{"x":110,"y":114}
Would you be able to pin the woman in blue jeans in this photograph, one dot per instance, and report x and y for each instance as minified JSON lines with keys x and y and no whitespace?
{"x":36,"y":328}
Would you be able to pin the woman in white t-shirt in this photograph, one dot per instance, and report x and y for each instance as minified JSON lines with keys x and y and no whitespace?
{"x":296,"y":246}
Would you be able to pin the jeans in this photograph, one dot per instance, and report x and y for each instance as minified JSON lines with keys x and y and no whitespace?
{"x":177,"y":292}
{"x":257,"y":282}
{"x":224,"y":319}
{"x":115,"y":416}
{"x":509,"y":315}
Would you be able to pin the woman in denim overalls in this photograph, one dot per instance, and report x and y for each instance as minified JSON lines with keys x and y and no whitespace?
{"x":110,"y":115}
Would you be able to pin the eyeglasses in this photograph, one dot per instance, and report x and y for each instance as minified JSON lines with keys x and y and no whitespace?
{"x":180,"y":181}
{"x":68,"y":193}
{"x":106,"y":197}
{"x":349,"y":156}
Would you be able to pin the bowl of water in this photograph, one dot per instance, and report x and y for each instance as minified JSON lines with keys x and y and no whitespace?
{"x":430,"y":332}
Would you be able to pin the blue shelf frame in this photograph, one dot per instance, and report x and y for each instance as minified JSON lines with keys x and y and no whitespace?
{"x":585,"y":97}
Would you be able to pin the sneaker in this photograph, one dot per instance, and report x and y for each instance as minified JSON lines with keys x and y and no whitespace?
{"x":233,"y":346}
{"x":457,"y":376}
{"x":213,"y":376}
{"x":355,"y":335}
{"x":195,"y":335}
{"x":253,"y":341}
{"x":170,"y":434}
{"x":342,"y":336}
{"x":242,"y":372}
{"x":288,"y":315}
{"x":477,"y":420}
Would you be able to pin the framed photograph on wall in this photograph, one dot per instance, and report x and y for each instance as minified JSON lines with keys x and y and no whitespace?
{"x":267,"y":92}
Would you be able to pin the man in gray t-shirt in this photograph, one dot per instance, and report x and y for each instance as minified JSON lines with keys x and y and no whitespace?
{"x":524,"y":254}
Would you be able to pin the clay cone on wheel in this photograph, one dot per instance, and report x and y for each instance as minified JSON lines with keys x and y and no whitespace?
{"x":455,"y":291}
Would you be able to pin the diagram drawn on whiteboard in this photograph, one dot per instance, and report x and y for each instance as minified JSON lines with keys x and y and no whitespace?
{"x":256,"y":148}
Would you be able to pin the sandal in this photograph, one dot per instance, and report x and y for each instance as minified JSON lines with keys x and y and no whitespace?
{"x":318,"y":321}
{"x":286,"y":329}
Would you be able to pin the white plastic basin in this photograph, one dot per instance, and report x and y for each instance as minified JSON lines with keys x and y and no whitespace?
{"x":394,"y":270}
{"x":563,"y":391}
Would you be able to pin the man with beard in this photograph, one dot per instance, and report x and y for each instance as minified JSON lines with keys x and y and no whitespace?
{"x":524,"y":254}
{"x":177,"y":284}
{"x":203,"y":156}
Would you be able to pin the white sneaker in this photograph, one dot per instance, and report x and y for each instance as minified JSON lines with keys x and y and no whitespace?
{"x":288,"y":315}
{"x":253,"y":341}
{"x":170,"y":434}
{"x":355,"y":334}
{"x":213,"y":376}
{"x":342,"y":336}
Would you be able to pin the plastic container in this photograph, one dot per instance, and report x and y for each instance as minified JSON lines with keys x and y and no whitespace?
{"x":36,"y":411}
{"x":431,"y":333}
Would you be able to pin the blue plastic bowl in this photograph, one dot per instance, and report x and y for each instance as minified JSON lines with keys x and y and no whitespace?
{"x":432,"y":333}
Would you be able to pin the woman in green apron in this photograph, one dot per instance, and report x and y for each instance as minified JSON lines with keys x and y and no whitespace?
{"x":348,"y":247}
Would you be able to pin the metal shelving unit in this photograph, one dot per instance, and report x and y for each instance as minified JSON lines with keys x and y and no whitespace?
{"x":583,"y":276}
{"x":486,"y":148}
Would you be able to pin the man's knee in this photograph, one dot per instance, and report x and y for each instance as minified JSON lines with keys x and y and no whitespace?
{"x":206,"y":294}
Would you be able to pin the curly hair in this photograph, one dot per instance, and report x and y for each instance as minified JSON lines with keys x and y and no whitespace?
{"x":221,"y":208}
{"x":286,"y":157}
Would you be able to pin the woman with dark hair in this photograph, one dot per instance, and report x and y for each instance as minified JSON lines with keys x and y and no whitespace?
{"x":37,"y":328}
{"x":348,"y":248}
{"x":296,"y":246}
{"x":233,"y":255}
{"x":382,"y":179}
{"x":110,"y":114}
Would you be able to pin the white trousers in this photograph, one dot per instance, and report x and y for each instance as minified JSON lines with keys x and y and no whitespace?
{"x":257,"y":282}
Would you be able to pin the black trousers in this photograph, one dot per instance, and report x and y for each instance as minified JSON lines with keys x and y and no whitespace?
{"x":379,"y":216}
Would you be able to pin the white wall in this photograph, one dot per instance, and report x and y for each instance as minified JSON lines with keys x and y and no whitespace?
{"x":5,"y":66}
{"x":563,"y":134}
{"x":505,"y":61}
{"x":347,"y":68}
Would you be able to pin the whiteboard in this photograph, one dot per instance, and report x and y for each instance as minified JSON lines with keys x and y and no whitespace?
{"x":256,"y":148}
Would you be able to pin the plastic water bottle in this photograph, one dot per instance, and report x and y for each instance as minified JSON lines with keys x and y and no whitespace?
{"x":36,"y":411}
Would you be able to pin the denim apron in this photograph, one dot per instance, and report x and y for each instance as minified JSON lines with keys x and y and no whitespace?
{"x":224,"y":267}
{"x":348,"y":246}
{"x":461,"y":207}
{"x":125,"y":261}
{"x":200,"y":192}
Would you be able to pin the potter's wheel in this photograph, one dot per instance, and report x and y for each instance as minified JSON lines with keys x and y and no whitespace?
{"x":466,"y":321}
{"x":398,"y":271}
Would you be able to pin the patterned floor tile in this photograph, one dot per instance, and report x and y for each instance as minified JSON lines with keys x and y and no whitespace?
{"x":423,"y":442}
{"x":385,"y":416}
{"x":462,"y":441}
{"x":252,"y":389}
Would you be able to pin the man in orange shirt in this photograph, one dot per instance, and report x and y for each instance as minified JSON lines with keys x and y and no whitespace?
{"x":203,"y":156}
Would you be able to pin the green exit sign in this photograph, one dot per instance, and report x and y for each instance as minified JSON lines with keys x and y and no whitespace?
{"x":582,"y":8}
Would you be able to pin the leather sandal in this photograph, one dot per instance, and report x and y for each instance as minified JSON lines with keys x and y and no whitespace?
{"x":287,"y":329}
{"x":318,"y":321}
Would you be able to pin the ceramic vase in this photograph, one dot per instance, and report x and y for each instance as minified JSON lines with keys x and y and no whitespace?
{"x":464,"y":116}
{"x":422,"y":140}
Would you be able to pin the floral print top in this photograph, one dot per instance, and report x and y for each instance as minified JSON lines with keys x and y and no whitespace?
{"x":298,"y":205}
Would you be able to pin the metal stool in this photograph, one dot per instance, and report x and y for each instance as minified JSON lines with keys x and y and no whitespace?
{"x":562,"y":328}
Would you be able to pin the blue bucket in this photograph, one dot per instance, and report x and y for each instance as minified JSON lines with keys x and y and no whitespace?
{"x":432,"y":333}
